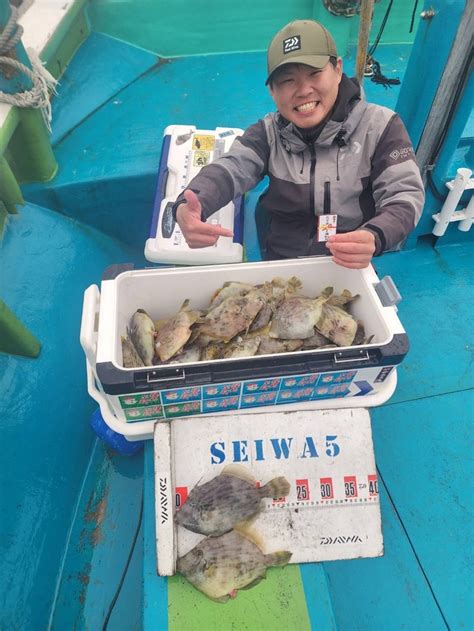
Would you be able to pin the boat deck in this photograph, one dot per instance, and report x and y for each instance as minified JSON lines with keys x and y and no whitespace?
{"x":107,"y":128}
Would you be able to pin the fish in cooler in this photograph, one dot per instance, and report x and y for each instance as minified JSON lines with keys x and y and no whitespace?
{"x":244,"y":320}
{"x":142,"y":335}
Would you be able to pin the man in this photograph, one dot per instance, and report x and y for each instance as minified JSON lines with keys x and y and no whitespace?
{"x":326,"y":152}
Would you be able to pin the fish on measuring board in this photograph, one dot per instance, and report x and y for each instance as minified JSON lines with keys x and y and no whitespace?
{"x":232,"y":497}
{"x":220,"y":566}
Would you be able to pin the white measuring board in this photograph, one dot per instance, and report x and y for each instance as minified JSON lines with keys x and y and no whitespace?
{"x":327,"y":456}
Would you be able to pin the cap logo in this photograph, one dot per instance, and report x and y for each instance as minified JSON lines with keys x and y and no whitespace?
{"x":291,"y":43}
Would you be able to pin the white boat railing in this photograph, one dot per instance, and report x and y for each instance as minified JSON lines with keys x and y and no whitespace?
{"x":448,"y":213}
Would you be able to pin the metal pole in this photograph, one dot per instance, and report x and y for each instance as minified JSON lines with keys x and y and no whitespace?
{"x":366,"y":10}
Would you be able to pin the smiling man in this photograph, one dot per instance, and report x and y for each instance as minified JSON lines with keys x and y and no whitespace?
{"x":342,"y":173}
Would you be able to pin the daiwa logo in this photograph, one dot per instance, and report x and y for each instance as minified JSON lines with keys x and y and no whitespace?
{"x":163,"y":488}
{"x":326,"y":541}
{"x":291,"y":43}
{"x":402,"y":153}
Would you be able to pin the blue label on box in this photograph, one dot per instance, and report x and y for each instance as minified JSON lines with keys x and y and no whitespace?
{"x":140,"y":400}
{"x":221,"y":390}
{"x":299,"y":381}
{"x":219,"y":405}
{"x":328,"y":391}
{"x":181,"y":394}
{"x":338,"y":377}
{"x":144,"y":413}
{"x":295,"y":394}
{"x":183,"y":409}
{"x":258,"y":398}
{"x":261,"y":385}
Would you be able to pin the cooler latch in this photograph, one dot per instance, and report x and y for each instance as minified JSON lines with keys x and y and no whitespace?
{"x":387,"y":292}
{"x":143,"y":379}
{"x":359,"y":356}
{"x":154,"y":376}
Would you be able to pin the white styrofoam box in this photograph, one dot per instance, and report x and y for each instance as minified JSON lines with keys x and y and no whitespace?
{"x":185,"y":151}
{"x":332,"y":511}
{"x":364,"y":374}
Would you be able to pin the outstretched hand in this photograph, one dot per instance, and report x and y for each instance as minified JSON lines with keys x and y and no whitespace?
{"x":198,"y":233}
{"x":352,"y":249}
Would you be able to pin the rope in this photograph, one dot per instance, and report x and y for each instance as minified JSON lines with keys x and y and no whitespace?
{"x":43,"y":81}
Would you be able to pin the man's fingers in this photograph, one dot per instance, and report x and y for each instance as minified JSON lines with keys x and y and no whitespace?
{"x":356,"y":236}
{"x":202,"y":235}
{"x":351,"y":265}
{"x":211,"y":230}
{"x":192,"y":201}
{"x":350,"y":247}
{"x":201,"y":241}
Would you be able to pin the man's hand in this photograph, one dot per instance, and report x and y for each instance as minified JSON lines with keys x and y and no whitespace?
{"x":352,"y":249}
{"x":198,"y":233}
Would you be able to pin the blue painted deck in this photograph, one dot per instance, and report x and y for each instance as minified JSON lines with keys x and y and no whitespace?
{"x":71,"y":508}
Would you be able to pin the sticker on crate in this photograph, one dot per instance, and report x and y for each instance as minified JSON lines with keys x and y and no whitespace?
{"x":262,"y":385}
{"x":181,"y":394}
{"x":140,"y":400}
{"x":258,"y":399}
{"x":299,"y":382}
{"x":223,"y":397}
{"x":221,"y":390}
{"x":332,"y":509}
{"x":145,"y":413}
{"x":220,"y":405}
{"x":182,"y":409}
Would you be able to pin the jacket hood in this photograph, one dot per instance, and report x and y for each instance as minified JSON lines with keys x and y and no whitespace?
{"x":347,"y":112}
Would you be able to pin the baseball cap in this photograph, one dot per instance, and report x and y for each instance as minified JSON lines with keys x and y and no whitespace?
{"x":300,"y":42}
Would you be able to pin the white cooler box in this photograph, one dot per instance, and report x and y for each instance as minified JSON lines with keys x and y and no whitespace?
{"x":132,"y":399}
{"x":184,"y":152}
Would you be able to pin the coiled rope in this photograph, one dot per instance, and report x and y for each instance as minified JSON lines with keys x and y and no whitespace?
{"x":43,"y":82}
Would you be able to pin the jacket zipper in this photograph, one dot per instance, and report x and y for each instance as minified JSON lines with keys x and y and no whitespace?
{"x":311,"y":178}
{"x":327,"y":198}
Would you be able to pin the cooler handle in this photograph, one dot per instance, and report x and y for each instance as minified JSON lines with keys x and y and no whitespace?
{"x":89,"y":323}
{"x":387,"y":292}
{"x":132,"y":431}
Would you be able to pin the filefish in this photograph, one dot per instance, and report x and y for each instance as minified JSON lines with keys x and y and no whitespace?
{"x":175,"y":332}
{"x":274,"y":292}
{"x":191,"y":353}
{"x":337,"y":325}
{"x":233,"y":315}
{"x":271,"y":345}
{"x":220,"y":566}
{"x":343,"y":299}
{"x":228,"y":289}
{"x":130,"y":357}
{"x":242,"y":347}
{"x":317,"y":341}
{"x":232,"y":497}
{"x":296,"y":317}
{"x":142,"y":334}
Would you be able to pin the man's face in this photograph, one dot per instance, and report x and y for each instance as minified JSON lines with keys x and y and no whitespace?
{"x":305,"y":95}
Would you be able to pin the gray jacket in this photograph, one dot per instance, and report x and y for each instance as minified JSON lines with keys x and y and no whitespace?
{"x":360,"y":165}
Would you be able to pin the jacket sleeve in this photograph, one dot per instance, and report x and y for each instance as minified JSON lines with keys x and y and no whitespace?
{"x":233,"y":174}
{"x":397,"y":187}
